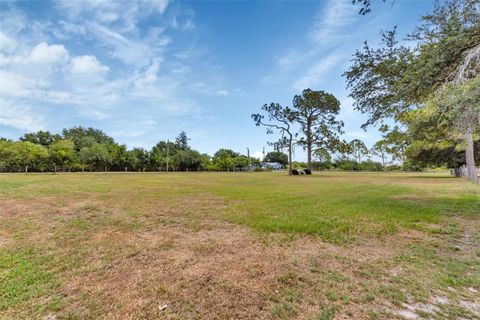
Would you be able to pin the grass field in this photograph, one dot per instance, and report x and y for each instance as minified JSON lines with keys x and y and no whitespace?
{"x":239,"y":246}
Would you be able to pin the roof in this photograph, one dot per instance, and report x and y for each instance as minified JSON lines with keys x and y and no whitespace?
{"x":271,"y":164}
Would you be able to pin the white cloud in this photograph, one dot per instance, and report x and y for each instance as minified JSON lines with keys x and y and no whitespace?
{"x":87,"y":65}
{"x":336,"y":15}
{"x":124,"y":15}
{"x":6,"y":44}
{"x":183,"y":23}
{"x":12,"y":21}
{"x":358,"y":134}
{"x":150,"y":75}
{"x":320,"y":52}
{"x":257,"y":155}
{"x":319,"y":72}
{"x":16,"y":85}
{"x":49,"y":54}
{"x":20,"y":117}
{"x":221,"y":93}
{"x":129,"y":74}
{"x":129,"y":51}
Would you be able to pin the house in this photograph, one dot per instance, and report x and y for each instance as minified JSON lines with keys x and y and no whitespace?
{"x":271,"y":166}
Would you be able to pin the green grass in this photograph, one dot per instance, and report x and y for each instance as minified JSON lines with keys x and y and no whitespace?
{"x":24,"y":277}
{"x":87,"y":246}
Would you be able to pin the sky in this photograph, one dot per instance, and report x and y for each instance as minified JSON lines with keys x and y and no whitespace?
{"x":144,"y":71}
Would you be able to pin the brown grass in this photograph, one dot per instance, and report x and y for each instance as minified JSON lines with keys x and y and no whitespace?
{"x":119,"y":258}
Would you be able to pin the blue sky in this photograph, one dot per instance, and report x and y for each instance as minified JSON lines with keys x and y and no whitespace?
{"x":144,"y":71}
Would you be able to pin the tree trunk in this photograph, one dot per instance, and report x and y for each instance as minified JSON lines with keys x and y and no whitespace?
{"x":26,"y":169}
{"x":290,"y":164}
{"x":309,"y":156}
{"x":470,"y":158}
{"x":309,"y":146}
{"x":457,"y":172}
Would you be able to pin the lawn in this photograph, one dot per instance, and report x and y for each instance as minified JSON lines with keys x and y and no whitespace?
{"x":239,"y":246}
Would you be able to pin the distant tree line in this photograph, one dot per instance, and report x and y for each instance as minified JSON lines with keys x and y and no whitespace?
{"x":89,"y":149}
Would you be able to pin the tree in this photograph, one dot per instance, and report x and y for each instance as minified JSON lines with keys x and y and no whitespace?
{"x":224,"y":159}
{"x":31,"y":155}
{"x":119,"y":155}
{"x":162,"y":153}
{"x":380,"y":149}
{"x":8,"y":154}
{"x":316,"y":113}
{"x":281,"y":119}
{"x":397,"y":141}
{"x":396,"y":79}
{"x":142,"y":158}
{"x":322,"y":155}
{"x":358,"y":149}
{"x":44,"y":138}
{"x":22,"y":155}
{"x":86,"y":137}
{"x":96,"y":156}
{"x":187,"y":160}
{"x":276,"y":156}
{"x":62,"y":152}
{"x":206,"y":161}
{"x":460,"y":103}
{"x":365,"y":5}
{"x":374,"y":79}
{"x":182,"y":141}
{"x":343,"y":150}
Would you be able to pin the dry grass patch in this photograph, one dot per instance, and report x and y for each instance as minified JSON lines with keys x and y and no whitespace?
{"x":123,"y":246}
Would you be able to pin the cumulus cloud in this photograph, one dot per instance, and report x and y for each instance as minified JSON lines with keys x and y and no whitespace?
{"x":96,"y":62}
{"x":49,"y":54}
{"x":87,"y":65}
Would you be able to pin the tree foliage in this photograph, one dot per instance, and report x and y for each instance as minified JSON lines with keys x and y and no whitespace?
{"x":399,"y":81}
{"x":317,"y":113}
{"x":276,"y":156}
{"x":281,"y":119}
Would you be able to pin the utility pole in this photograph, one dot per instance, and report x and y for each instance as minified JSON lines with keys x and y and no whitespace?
{"x":168,"y":143}
{"x":263,"y":159}
{"x":249,"y":164}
